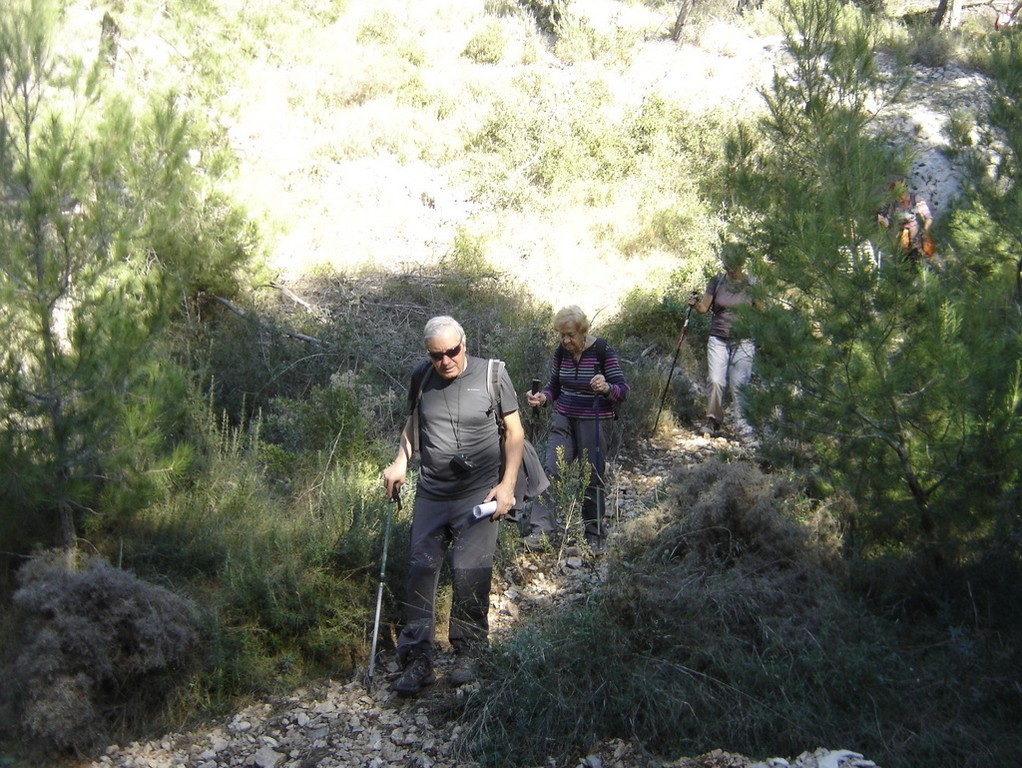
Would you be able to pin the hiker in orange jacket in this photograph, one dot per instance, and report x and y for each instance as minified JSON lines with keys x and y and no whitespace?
{"x":911,"y":215}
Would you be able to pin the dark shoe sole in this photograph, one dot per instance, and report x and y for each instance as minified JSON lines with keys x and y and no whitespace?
{"x":411,"y":691}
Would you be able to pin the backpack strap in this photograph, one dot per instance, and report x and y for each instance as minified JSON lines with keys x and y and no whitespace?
{"x":716,"y":287}
{"x":494,"y":369}
{"x":601,"y":353}
{"x":420,"y":376}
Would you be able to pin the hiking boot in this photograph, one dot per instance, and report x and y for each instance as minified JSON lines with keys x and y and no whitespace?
{"x":417,"y":674}
{"x":465,"y":669}
{"x":536,"y":541}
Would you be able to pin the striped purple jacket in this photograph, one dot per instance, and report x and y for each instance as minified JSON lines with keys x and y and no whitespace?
{"x":568,"y":386}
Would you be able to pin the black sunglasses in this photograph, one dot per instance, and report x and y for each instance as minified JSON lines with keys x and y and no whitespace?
{"x":452,"y":353}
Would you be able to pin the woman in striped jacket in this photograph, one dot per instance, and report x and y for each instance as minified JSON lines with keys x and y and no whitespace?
{"x":585,"y":385}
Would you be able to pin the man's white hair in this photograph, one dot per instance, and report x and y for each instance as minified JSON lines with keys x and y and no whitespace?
{"x":436,"y":326}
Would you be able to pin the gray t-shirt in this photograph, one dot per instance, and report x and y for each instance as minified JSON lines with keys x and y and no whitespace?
{"x":455,"y":418}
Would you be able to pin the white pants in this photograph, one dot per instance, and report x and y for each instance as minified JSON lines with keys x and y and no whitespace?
{"x":729,"y":362}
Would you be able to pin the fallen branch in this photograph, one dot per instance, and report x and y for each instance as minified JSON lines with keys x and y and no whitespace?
{"x":290,"y":334}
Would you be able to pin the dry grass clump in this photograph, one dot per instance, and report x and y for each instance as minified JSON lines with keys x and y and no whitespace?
{"x":727,"y":549}
{"x":98,"y":648}
{"x":731,"y":515}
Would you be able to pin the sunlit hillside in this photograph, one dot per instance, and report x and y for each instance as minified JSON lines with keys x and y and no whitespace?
{"x":354,"y":123}
{"x":360,"y":127}
{"x":355,"y":148}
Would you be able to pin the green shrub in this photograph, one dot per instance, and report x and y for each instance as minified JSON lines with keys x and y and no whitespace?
{"x":564,"y":148}
{"x":548,"y":13}
{"x":577,"y":42}
{"x":328,"y":421}
{"x":380,"y":27}
{"x":486,"y":46}
{"x":930,"y":46}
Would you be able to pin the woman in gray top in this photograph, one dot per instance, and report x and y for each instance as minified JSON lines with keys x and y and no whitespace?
{"x":729,"y":360}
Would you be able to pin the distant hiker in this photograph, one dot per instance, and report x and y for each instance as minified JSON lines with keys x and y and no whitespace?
{"x":728,"y":359}
{"x":1007,"y":18}
{"x":462,"y":465}
{"x":910,"y":214}
{"x":585,"y":385}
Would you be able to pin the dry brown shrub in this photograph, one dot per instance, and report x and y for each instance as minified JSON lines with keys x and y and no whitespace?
{"x":734,"y":550}
{"x":98,"y":646}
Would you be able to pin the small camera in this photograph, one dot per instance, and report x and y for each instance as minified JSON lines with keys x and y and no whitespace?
{"x":461,"y":464}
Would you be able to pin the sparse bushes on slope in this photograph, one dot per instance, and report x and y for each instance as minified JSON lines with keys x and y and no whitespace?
{"x":549,"y":147}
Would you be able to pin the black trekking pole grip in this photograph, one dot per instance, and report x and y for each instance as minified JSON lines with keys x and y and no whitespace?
{"x":674,"y":362}
{"x":535,"y":391}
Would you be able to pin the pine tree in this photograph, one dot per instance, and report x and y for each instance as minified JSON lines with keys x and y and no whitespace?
{"x":99,"y":220}
{"x":883,"y":375}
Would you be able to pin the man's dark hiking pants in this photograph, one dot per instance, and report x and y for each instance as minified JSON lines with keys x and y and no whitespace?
{"x":439,"y":527}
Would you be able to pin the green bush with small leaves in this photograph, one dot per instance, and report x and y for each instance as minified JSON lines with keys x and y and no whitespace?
{"x":487,"y":45}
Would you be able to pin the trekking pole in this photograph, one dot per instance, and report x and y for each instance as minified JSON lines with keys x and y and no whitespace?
{"x":535,"y":408}
{"x":395,"y":498}
{"x":599,"y":470}
{"x":677,"y":351}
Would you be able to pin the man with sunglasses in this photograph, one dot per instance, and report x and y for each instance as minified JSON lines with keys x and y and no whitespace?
{"x":461,"y":465}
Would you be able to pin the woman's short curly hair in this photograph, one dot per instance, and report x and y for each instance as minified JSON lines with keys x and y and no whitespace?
{"x":571,"y":315}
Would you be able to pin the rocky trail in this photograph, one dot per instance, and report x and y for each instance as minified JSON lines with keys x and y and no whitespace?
{"x":347,"y":723}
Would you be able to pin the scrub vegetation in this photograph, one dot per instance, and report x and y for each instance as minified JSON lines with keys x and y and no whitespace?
{"x":191,"y":508}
